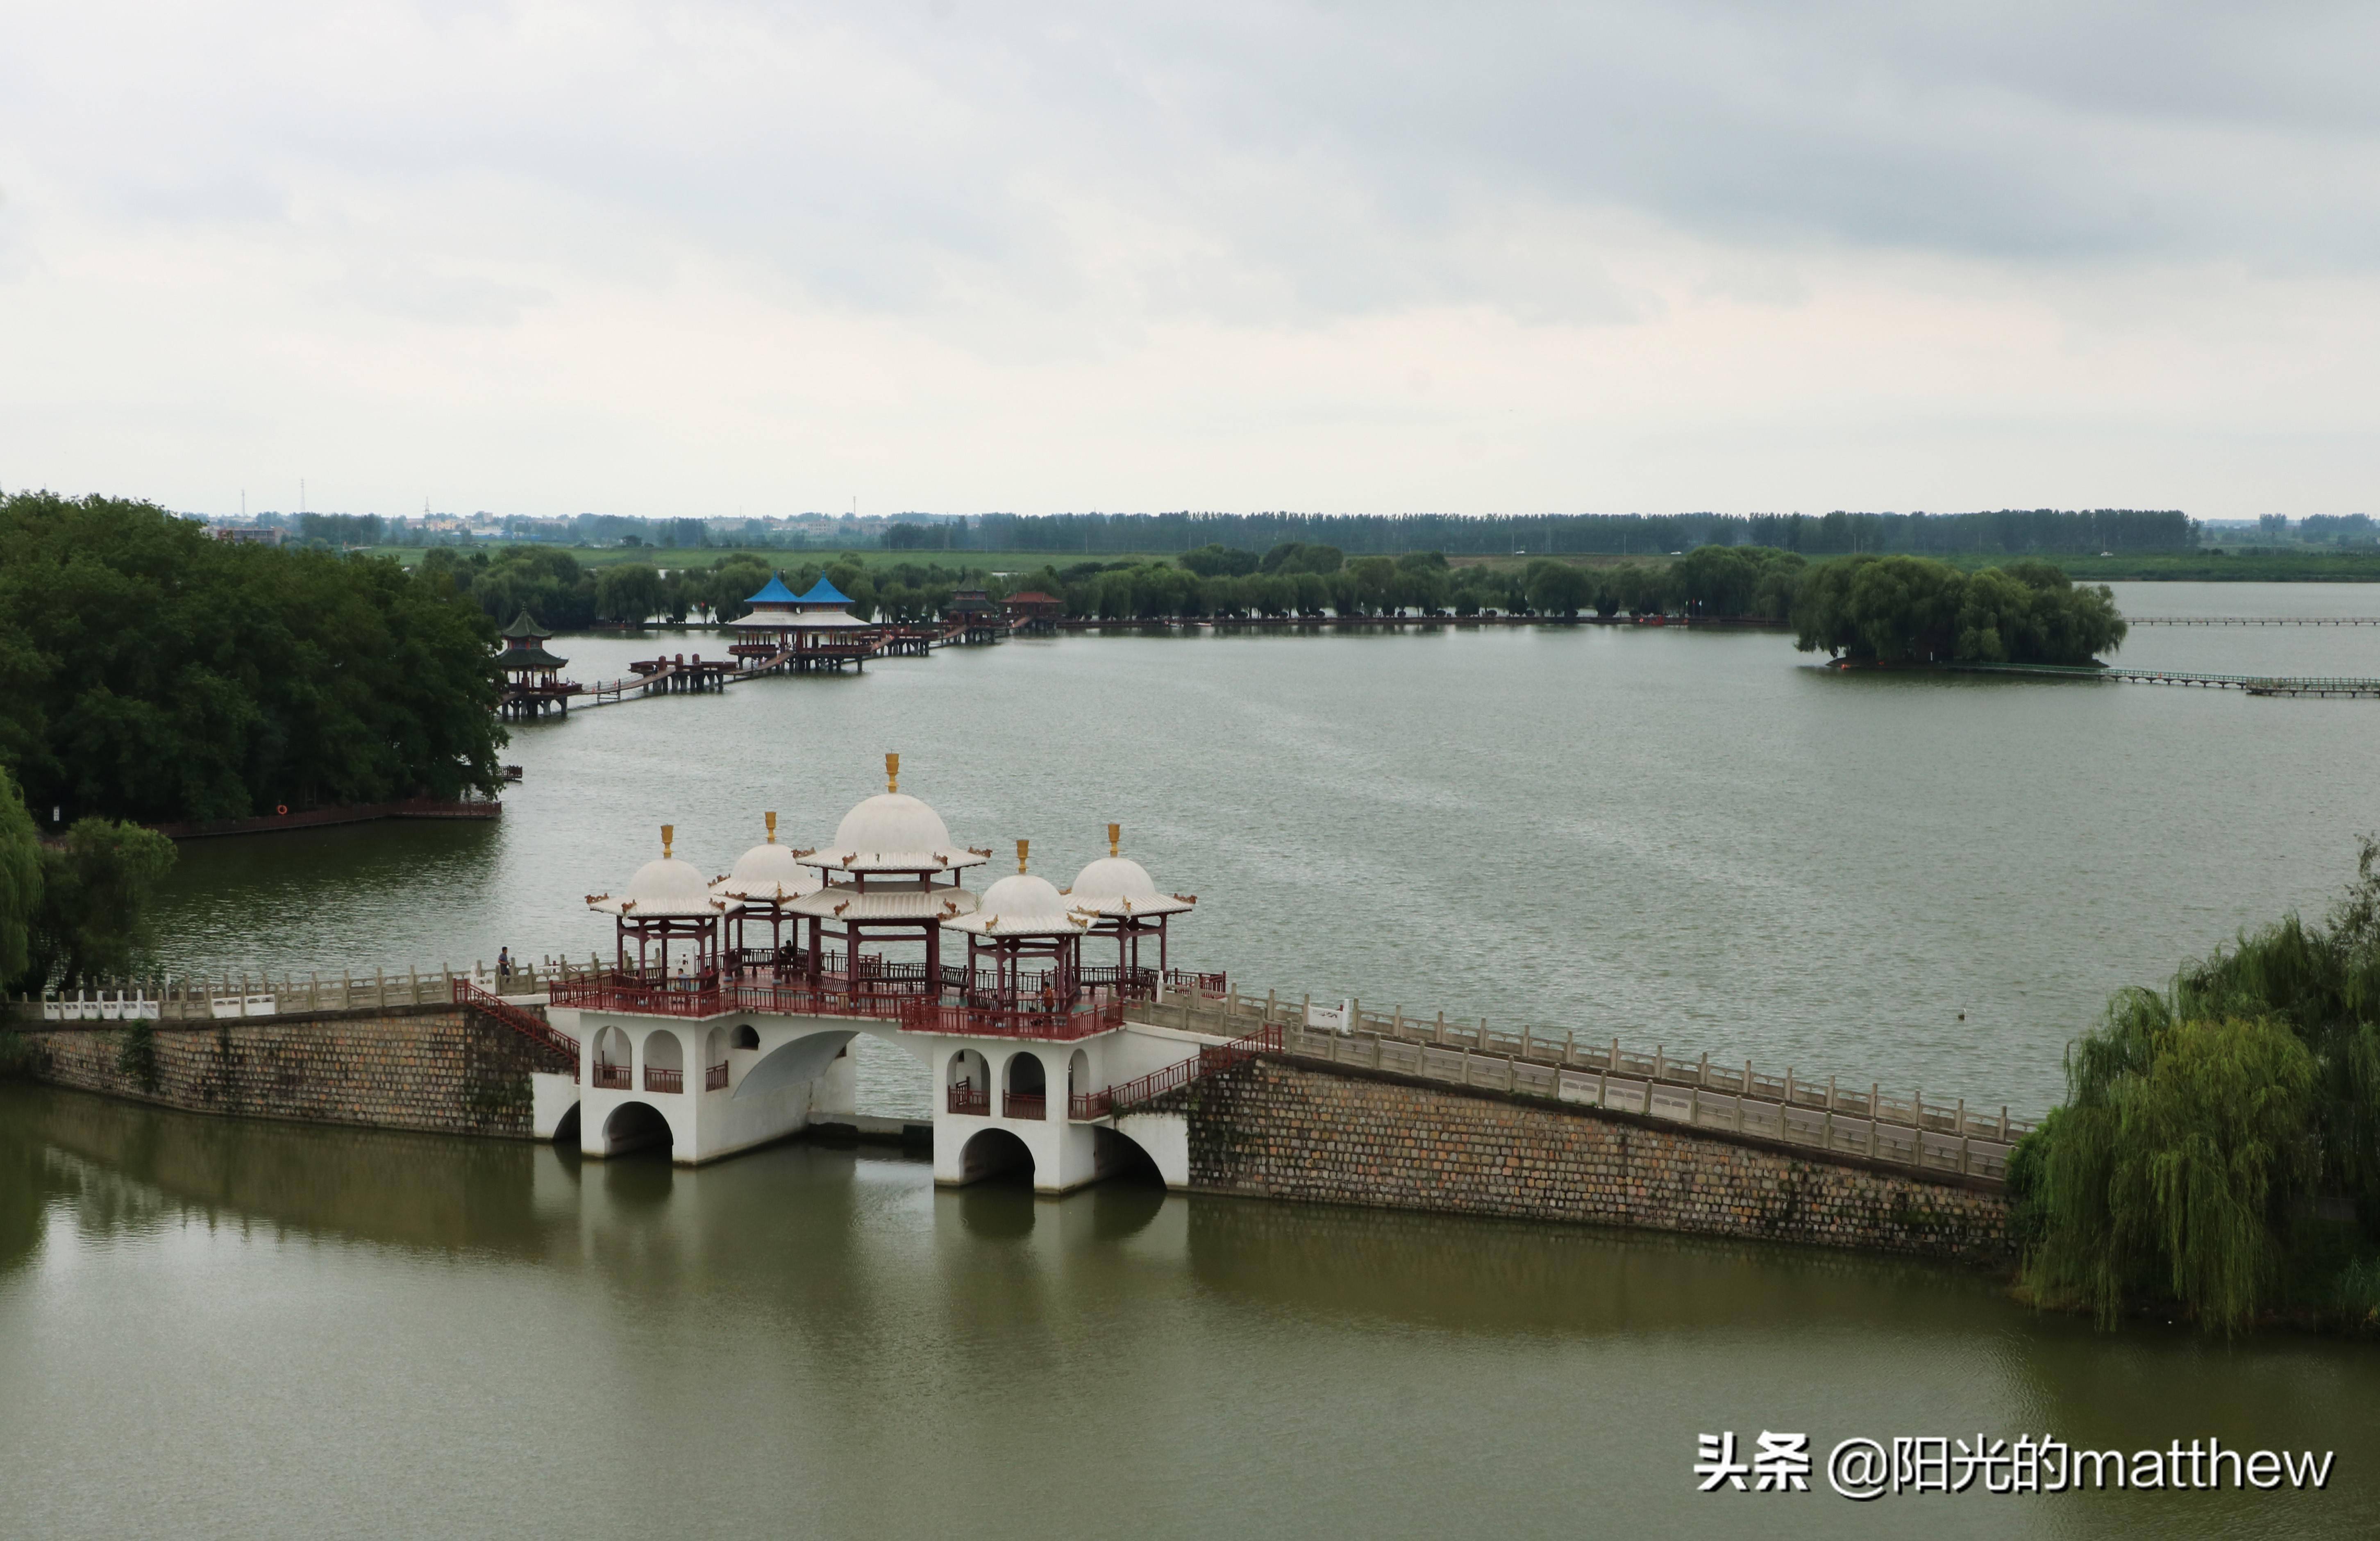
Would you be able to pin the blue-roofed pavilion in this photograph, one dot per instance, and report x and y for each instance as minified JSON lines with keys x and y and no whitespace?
{"x":814,"y":631}
{"x":772,"y":592}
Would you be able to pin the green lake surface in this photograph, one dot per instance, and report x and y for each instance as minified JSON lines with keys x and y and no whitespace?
{"x":1695,"y":840}
{"x":218,"y":1327}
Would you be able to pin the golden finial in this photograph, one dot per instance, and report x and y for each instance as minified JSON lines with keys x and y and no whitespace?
{"x":772,"y":827}
{"x":891,"y":773}
{"x":1115,"y":838}
{"x":669,"y":831}
{"x":1020,"y":854}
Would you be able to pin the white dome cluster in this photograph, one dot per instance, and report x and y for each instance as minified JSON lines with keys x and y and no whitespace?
{"x":881,"y":866}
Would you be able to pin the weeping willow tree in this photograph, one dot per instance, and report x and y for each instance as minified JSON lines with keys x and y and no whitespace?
{"x":2215,"y":1134}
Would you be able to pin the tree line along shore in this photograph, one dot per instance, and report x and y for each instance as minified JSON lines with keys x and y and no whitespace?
{"x":2219,"y":1155}
{"x":1871,"y":609}
{"x":161,"y":675}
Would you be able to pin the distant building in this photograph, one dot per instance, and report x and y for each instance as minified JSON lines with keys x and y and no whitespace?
{"x":248,"y":535}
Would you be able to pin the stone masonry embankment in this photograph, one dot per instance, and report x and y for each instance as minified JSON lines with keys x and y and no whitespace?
{"x":1276,"y":1128}
{"x":438,"y":1068}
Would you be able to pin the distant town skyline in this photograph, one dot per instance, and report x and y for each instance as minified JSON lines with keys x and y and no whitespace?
{"x":549,"y":258}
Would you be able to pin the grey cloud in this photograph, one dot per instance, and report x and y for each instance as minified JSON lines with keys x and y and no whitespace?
{"x":1277,"y":162}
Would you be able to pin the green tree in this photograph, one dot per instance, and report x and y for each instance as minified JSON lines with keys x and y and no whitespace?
{"x":1374,"y":580}
{"x":1739,"y":581}
{"x":1559,"y":588}
{"x":1270,"y":595}
{"x":2202,"y":1123}
{"x":20,"y":880}
{"x":628,"y":592}
{"x":159,"y":675}
{"x":1916,"y":610}
{"x":97,"y":894}
{"x":679,"y":595}
{"x":1293,"y":557}
{"x":548,"y":583}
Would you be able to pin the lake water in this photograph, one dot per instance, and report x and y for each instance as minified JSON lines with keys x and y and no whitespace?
{"x":218,"y":1327}
{"x":1696,"y":841}
{"x":215,"y":1327}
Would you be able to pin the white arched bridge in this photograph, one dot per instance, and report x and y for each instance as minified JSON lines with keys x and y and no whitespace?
{"x":728,"y":1018}
{"x":709,"y":1074}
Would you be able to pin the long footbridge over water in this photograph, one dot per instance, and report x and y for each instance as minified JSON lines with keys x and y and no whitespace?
{"x":2344,"y":686}
{"x":2253,"y":620}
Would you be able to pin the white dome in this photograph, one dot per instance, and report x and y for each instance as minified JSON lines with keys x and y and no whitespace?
{"x":769,"y":871}
{"x":892,"y":832}
{"x":1020,"y":904}
{"x":667,"y":887}
{"x":1119,"y":886}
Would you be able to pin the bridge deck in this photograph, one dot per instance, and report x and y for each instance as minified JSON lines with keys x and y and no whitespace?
{"x":2253,"y":620}
{"x":2255,"y":685}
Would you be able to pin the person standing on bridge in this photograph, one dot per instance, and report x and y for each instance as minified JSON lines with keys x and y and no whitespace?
{"x":504,"y":968}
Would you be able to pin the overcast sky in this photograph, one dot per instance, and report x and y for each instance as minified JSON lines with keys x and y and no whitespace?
{"x":946,"y":255}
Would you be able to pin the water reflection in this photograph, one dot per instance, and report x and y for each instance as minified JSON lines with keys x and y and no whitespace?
{"x":25,"y":1190}
{"x":379,"y":1186}
{"x":818,"y":1339}
{"x":1469,"y":1276}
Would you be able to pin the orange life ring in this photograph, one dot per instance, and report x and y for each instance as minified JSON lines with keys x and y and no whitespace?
{"x":281,"y":807}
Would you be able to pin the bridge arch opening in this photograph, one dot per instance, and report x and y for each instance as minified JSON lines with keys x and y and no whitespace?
{"x":1026,"y":1088}
{"x":1118,"y":1157}
{"x":566,"y":1133}
{"x":747,"y":1036}
{"x":1130,"y":1190}
{"x":636,"y":1126}
{"x":995,"y":1153}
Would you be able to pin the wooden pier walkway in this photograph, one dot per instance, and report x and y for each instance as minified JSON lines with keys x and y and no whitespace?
{"x":2253,"y":620}
{"x":670,"y":677}
{"x":2255,"y":685}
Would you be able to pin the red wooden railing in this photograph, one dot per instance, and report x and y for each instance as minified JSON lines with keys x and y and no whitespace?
{"x":613,"y":1076}
{"x":528,"y":1024}
{"x":1035,"y":1105}
{"x":622,"y":992}
{"x":956,"y":978}
{"x":1136,"y":982}
{"x":1012,"y":1021}
{"x":966,"y":1099}
{"x":1156,"y":1083}
{"x":715,"y":1078}
{"x":901,"y":997}
{"x":617,"y":993}
{"x":664,"y":1080}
